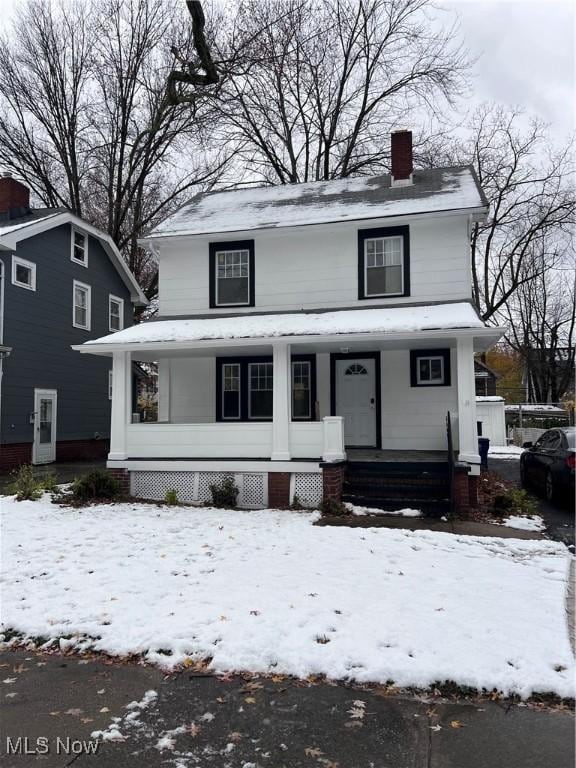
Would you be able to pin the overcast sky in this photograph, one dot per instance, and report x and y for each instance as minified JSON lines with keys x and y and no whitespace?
{"x":525,"y":52}
{"x":526,"y":55}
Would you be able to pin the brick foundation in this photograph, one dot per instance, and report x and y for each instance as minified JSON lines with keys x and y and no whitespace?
{"x":13,"y":455}
{"x":279,"y":490}
{"x":473,"y":483}
{"x":461,"y":490}
{"x":333,"y":481}
{"x":123,"y":477}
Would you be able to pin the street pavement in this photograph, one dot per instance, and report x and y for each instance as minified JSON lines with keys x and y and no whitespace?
{"x":235,"y":722}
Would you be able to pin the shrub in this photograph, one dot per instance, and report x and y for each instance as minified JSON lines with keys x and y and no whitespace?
{"x":333,"y":508}
{"x":515,"y":501}
{"x":98,"y":484}
{"x":171,"y":497}
{"x":49,"y":482}
{"x":297,"y":505}
{"x":24,"y":485}
{"x":225,"y":494}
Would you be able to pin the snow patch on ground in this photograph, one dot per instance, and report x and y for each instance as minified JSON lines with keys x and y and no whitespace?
{"x":268,"y":592}
{"x":505,"y":452}
{"x":360,"y":511}
{"x":525,"y":522}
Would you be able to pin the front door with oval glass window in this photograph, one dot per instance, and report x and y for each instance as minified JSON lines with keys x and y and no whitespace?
{"x":355,"y":383}
{"x":44,"y":446}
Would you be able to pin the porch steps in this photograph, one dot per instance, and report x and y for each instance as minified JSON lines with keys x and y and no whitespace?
{"x":398,"y":485}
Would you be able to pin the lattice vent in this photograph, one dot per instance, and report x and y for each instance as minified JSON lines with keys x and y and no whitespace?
{"x":195,"y":486}
{"x":308,"y":487}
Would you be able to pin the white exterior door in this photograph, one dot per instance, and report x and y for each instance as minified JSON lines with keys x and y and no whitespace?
{"x":355,"y":383}
{"x":44,"y":448}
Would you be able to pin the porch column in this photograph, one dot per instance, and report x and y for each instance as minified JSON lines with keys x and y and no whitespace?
{"x":164,"y":390}
{"x":121,"y":404}
{"x":467,"y":428}
{"x":281,"y":402}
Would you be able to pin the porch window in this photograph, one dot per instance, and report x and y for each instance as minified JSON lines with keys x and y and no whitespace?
{"x":301,"y":389}
{"x":383,"y":262}
{"x":81,"y":309}
{"x":430,"y":368}
{"x":231,"y":391}
{"x":260,"y":390}
{"x":232,"y":274}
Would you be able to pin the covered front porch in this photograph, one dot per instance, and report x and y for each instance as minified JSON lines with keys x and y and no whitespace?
{"x":292,"y":405}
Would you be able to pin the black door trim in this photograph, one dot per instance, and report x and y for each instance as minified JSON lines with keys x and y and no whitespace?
{"x":334,"y":356}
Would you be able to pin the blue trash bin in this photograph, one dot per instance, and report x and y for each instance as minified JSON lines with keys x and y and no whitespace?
{"x":483,"y":446}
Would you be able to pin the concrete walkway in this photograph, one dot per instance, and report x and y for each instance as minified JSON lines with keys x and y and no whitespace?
{"x":234,"y":722}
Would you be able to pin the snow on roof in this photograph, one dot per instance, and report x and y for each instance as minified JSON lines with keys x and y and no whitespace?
{"x":40,"y":214}
{"x":288,"y":205}
{"x":397,"y":320}
{"x":489,"y":399}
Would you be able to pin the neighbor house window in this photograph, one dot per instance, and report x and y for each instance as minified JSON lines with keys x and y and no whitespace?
{"x":23,"y":273}
{"x":232,"y":274}
{"x":260,"y":390}
{"x":383,"y":262}
{"x":82,"y":308}
{"x":430,"y":368}
{"x":115,"y":313}
{"x":301,"y":389}
{"x":231,"y":405}
{"x":79,"y":252}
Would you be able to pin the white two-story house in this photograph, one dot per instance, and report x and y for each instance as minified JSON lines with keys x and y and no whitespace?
{"x":303,"y":329}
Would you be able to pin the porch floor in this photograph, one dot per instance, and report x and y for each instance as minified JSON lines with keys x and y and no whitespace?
{"x":376,"y":454}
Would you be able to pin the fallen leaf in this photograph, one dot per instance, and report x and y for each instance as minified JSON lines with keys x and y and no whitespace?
{"x":250,"y":700}
{"x":104,"y":709}
{"x":194,"y":730}
{"x":456,"y":724}
{"x":435,"y":727}
{"x":54,"y":714}
{"x":235,"y":736}
{"x":313,"y":752}
{"x":9,"y":680}
{"x":75,"y":712}
{"x":86,"y":720}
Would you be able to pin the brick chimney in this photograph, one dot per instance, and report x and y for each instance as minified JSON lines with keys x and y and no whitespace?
{"x":401,"y":158}
{"x":14,"y":198}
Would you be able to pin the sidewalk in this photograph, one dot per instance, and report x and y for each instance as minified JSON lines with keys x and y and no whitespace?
{"x":201,"y":720}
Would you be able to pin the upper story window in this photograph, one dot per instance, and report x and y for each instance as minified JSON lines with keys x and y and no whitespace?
{"x":23,"y":273}
{"x":430,"y":368}
{"x":79,"y":247}
{"x":115,"y":313}
{"x":232,"y":274}
{"x":81,"y":306}
{"x":383,"y":262}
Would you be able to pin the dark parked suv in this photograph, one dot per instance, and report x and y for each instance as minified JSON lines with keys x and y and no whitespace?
{"x":548,"y":464}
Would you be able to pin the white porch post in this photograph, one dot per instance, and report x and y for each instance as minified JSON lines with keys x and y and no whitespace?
{"x":164,"y":369}
{"x":121,"y":404}
{"x":281,"y":402}
{"x":467,"y":428}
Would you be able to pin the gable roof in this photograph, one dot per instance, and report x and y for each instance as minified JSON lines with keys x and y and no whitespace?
{"x":39,"y":220}
{"x":321,"y":202}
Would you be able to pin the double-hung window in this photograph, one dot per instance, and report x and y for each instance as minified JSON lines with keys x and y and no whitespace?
{"x":82,"y":306}
{"x":232,"y":274}
{"x":430,"y":368}
{"x":260,"y":390}
{"x":79,"y":247}
{"x":115,"y":313}
{"x":231,"y":405}
{"x":383,"y":261}
{"x":23,"y":273}
{"x":302,"y":389}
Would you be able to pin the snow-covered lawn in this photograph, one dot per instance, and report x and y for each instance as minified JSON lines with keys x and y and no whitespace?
{"x":269,"y":592}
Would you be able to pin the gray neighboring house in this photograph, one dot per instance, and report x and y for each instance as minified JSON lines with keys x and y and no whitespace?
{"x":62,"y":282}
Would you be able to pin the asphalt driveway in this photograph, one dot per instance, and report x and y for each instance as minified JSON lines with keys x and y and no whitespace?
{"x":559,"y":518}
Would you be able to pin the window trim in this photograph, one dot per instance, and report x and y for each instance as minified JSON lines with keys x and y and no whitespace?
{"x":230,"y":245}
{"x":383,"y":232}
{"x":17,"y":261}
{"x":75,"y":230}
{"x":88,"y":289}
{"x":419,"y":354}
{"x":119,"y":301}
{"x":249,"y":390}
{"x":244,"y":363}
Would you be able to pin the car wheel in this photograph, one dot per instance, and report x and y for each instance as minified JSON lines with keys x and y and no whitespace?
{"x":549,"y":489}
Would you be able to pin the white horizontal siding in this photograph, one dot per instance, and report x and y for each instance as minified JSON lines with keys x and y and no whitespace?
{"x":196,"y":441}
{"x":315,"y":267}
{"x":306,"y":439}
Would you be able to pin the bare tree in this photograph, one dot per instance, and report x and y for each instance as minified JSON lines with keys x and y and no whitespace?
{"x":86,"y":122}
{"x":542,"y":322}
{"x":319,"y":84}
